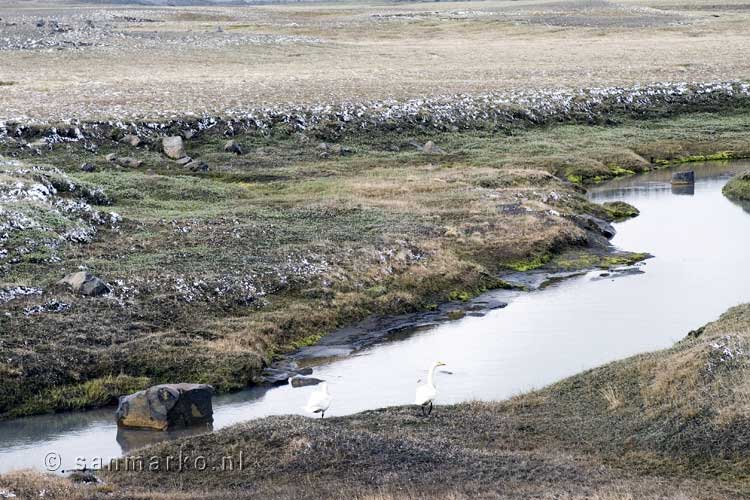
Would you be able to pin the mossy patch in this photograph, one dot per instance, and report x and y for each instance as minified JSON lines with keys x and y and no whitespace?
{"x":90,"y":394}
{"x":738,"y":188}
{"x":620,"y":211}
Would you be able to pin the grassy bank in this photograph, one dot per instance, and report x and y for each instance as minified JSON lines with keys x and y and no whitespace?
{"x":669,"y":424}
{"x":214,"y":273}
{"x":738,"y":188}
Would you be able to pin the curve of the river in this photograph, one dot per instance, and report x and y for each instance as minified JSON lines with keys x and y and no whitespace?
{"x":699,"y":240}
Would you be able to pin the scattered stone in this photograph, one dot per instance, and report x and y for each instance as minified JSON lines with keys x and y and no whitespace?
{"x":131,"y":139}
{"x":127,"y":161}
{"x":111,"y":157}
{"x":198,"y":166}
{"x":297,"y":381}
{"x":431,"y":149}
{"x":166,"y":406}
{"x":88,"y":167}
{"x":233,"y":147}
{"x":683,"y":177}
{"x":281,"y":371}
{"x":40,"y":23}
{"x":173,"y":147}
{"x":85,"y":284}
{"x":188,"y":134}
{"x":183,"y":161}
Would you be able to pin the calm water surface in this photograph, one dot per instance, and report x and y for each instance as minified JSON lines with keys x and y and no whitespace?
{"x":700,"y":242}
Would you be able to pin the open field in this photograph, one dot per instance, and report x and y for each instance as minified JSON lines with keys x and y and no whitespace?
{"x":135,"y":62}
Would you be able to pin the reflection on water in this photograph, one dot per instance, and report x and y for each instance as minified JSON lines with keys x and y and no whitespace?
{"x":700,"y":246}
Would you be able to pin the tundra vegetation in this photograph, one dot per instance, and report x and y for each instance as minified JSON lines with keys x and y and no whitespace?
{"x":386,"y":158}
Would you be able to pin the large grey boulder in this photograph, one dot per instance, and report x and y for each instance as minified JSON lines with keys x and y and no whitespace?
{"x":173,"y":147}
{"x":85,"y":284}
{"x":166,"y":406}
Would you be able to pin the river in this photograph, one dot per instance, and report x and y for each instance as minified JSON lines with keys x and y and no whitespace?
{"x":699,"y":240}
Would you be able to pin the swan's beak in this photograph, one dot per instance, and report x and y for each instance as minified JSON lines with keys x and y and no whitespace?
{"x":440,"y":363}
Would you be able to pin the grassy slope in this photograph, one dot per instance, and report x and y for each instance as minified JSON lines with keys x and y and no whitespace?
{"x":299,"y":245}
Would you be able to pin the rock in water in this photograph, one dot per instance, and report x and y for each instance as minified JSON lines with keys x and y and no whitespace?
{"x":594,"y":224}
{"x":85,"y":284}
{"x":683,"y":177}
{"x":233,"y":147}
{"x":173,"y":147}
{"x":303,"y":381}
{"x":166,"y":406}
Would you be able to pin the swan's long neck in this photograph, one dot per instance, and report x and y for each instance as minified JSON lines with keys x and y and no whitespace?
{"x":431,"y":376}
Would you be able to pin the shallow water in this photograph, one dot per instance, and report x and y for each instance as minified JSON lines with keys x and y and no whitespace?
{"x":699,"y":240}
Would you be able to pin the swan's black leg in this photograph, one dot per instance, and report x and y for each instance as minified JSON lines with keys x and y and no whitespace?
{"x":322,"y":414}
{"x":429,"y":410}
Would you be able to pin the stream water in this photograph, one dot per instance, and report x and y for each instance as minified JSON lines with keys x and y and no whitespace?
{"x":700,"y":244}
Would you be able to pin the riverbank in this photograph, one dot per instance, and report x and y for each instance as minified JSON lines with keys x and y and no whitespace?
{"x":738,"y":188}
{"x":314,"y":236}
{"x":668,"y":424}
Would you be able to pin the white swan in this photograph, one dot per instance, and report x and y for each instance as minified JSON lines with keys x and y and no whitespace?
{"x":426,"y":393}
{"x":319,"y":400}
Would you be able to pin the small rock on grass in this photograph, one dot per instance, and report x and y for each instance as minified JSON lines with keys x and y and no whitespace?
{"x":111,"y":157}
{"x":85,"y":284}
{"x":431,"y":149}
{"x":233,"y":147}
{"x":127,"y":161}
{"x":173,"y":147}
{"x":183,"y":161}
{"x":198,"y":166}
{"x":88,"y":167}
{"x":131,"y":139}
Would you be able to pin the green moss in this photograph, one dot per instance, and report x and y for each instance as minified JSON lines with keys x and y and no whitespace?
{"x":722,"y":155}
{"x":89,"y":394}
{"x":575,"y":179}
{"x":305,"y":341}
{"x":618,"y":171}
{"x":529,"y":264}
{"x":627,"y":259}
{"x":577,"y":261}
{"x":619,"y":210}
{"x":461,"y":295}
{"x":456,"y":314}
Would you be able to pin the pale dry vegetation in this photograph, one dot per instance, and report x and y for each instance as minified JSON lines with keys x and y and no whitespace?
{"x":166,"y":62}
